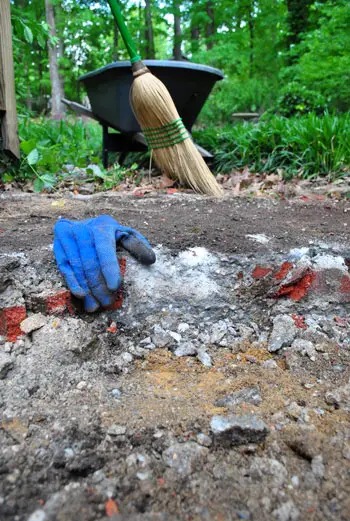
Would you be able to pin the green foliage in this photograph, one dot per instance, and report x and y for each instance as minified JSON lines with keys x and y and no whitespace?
{"x":295,"y":99}
{"x":49,"y":146}
{"x":306,"y":146}
{"x":323,"y":63}
{"x":235,"y":95}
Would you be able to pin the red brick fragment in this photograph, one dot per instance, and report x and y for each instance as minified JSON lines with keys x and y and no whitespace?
{"x":10,"y":320}
{"x":283,"y":271}
{"x":299,"y":321}
{"x":59,"y":303}
{"x":297,"y":289}
{"x":345,"y":287}
{"x":118,"y":302}
{"x":260,"y":272}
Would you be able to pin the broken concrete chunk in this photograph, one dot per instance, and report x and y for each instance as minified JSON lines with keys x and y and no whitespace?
{"x":185,"y":349}
{"x":204,"y":358}
{"x":238,"y":430}
{"x":304,"y":347}
{"x":32,"y":323}
{"x":183,"y":456}
{"x":218,"y":332}
{"x":6,"y":364}
{"x":283,"y":332}
{"x":160,"y":337}
{"x":249,"y":395}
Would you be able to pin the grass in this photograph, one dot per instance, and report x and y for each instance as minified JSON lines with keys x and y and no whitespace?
{"x":306,"y":146}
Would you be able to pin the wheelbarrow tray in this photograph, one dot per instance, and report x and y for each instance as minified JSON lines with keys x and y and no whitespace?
{"x":108,"y":90}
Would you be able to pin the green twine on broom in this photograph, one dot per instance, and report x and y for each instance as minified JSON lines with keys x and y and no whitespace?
{"x":167,"y":135}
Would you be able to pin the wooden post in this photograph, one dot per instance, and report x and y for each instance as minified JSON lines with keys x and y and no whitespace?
{"x":8,"y":113}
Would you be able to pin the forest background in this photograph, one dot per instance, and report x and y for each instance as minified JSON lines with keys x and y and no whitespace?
{"x":288,"y":60}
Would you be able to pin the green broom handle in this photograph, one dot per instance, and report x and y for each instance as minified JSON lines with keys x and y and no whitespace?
{"x":124,"y":31}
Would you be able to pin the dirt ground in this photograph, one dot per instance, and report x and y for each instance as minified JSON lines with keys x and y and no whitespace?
{"x":121,"y":425}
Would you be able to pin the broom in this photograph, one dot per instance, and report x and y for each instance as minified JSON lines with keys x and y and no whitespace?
{"x":171,"y":145}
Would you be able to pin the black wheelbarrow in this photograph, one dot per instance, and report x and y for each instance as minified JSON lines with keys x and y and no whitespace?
{"x":108,"y":91}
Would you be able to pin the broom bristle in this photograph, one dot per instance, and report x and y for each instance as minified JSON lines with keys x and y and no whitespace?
{"x":154,"y":108}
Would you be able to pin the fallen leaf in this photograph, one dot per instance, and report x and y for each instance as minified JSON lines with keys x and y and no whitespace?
{"x":166,"y":182}
{"x":236,"y":189}
{"x":60,"y":203}
{"x":111,"y":508}
{"x":171,"y":191}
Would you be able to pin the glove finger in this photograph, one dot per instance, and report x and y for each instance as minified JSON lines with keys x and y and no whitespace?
{"x":139,"y":248}
{"x":105,"y":242}
{"x":66,"y":270}
{"x":64,"y":234}
{"x":91,"y":265}
{"x":90,"y":304}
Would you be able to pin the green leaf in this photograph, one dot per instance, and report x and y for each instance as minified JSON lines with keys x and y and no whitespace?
{"x":7,"y":178}
{"x":41,"y":40}
{"x":28,"y":35}
{"x":33,"y":157}
{"x":38,"y":185}
{"x":49,"y":180}
{"x":28,"y":146}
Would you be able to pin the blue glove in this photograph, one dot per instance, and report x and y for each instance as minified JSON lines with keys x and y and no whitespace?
{"x":86,"y":256}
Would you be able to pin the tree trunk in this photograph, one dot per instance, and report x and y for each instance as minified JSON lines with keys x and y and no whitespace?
{"x":57,"y":108}
{"x":194,"y":38}
{"x":177,"y":54}
{"x":298,"y":16}
{"x":149,"y":48}
{"x":210,"y":27}
{"x":115,"y":42}
{"x":251,"y":43}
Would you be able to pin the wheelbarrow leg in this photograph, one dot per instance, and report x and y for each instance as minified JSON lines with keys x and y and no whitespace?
{"x":122,"y":157}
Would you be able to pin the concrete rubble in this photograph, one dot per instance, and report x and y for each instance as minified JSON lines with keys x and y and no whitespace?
{"x":217,"y":386}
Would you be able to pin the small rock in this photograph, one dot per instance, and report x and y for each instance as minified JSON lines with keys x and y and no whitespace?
{"x":176,"y":336}
{"x":32,"y":323}
{"x":268,"y":469}
{"x":6,"y":364}
{"x":295,"y":481}
{"x":81,"y":385}
{"x":116,"y":393}
{"x":283,"y":332}
{"x":146,"y":341}
{"x":186,"y":349}
{"x":218,"y":331}
{"x":294,"y":411}
{"x":270,"y":364}
{"x":142,"y":476}
{"x":287,"y":512}
{"x":183,"y":456}
{"x":204,"y":358}
{"x":317,"y":466}
{"x":38,"y":515}
{"x":182,"y":327}
{"x":204,"y":440}
{"x":250,"y":395}
{"x":160,"y":337}
{"x":238,"y":430}
{"x":304,"y":347}
{"x":116,"y":430}
{"x":339,"y":398}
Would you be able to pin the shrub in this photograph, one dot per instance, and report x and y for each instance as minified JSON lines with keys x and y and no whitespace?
{"x":307,"y":145}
